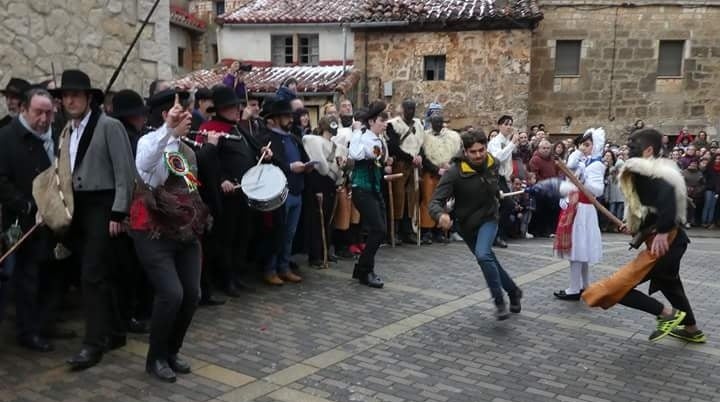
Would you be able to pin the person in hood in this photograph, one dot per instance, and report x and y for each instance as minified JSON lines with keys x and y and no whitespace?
{"x":472,"y":182}
{"x":578,"y":232}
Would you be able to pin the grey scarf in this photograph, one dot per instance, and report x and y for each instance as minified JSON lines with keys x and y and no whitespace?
{"x":46,"y":137}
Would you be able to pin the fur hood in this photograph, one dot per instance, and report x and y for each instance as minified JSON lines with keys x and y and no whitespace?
{"x":664,"y":169}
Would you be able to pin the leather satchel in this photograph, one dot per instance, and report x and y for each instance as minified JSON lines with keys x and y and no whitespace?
{"x":53,"y":189}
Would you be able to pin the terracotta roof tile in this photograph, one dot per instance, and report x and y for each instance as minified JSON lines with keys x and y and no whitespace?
{"x":267,"y":79}
{"x":180,"y":16}
{"x":422,"y":11}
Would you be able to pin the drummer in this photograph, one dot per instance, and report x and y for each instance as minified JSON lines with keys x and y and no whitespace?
{"x":290,"y":156}
{"x":232,"y":232}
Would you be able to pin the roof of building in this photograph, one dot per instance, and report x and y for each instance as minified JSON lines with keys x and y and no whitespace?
{"x":311,"y":79}
{"x":359,"y":11}
{"x":182,"y":17}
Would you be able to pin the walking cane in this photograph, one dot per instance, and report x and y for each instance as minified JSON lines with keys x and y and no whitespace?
{"x":416,"y":172}
{"x":325,"y":264}
{"x":19,"y":242}
{"x":389,"y":178}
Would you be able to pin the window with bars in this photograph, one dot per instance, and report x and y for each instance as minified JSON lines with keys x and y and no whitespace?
{"x":309,"y":50}
{"x":670,"y":58}
{"x":219,"y":7}
{"x":434,"y":69}
{"x":282,"y":50}
{"x":567,"y":57}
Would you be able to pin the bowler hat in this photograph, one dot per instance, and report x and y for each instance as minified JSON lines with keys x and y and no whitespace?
{"x":16,"y":86}
{"x":76,"y":80}
{"x":222,"y":97}
{"x":128,"y":103}
{"x":166,"y":97}
{"x":275,"y":106}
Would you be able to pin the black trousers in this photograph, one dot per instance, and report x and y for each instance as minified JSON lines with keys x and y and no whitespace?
{"x":315,"y":184}
{"x":234,"y":231}
{"x":664,"y":277}
{"x":372,"y":217}
{"x":90,"y":239}
{"x":132,"y":295}
{"x":173,"y":268}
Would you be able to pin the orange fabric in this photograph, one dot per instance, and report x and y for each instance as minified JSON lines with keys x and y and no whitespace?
{"x":403,"y":189}
{"x":428,"y":184}
{"x":609,"y":291}
{"x":343,"y":211}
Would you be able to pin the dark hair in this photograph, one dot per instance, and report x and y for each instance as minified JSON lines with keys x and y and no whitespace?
{"x":702,"y":132}
{"x":555,"y":145}
{"x":153,"y":86}
{"x":290,"y":81}
{"x":472,"y":137}
{"x":614,"y":157}
{"x":29,"y":94}
{"x":155,"y":118}
{"x":503,"y":119}
{"x":533,"y":126}
{"x":648,"y":137}
{"x":494,"y":130}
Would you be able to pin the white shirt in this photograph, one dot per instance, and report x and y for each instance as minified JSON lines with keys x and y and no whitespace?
{"x":501,"y":149}
{"x":363,"y":145}
{"x":75,"y":138}
{"x":151,"y":149}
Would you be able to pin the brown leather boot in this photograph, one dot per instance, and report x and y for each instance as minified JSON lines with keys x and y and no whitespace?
{"x":274,"y":280}
{"x":290,"y":277}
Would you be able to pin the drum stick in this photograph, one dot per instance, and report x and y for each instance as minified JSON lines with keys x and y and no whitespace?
{"x":511,"y":194}
{"x":262,"y":157}
{"x":391,"y":177}
{"x":320,"y":199}
{"x":19,"y":242}
{"x":570,"y":176}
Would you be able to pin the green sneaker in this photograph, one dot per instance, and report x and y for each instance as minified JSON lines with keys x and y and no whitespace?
{"x":694,"y":337}
{"x":666,"y":325}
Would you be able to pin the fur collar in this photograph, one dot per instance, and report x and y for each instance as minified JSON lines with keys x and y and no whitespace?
{"x":664,"y":169}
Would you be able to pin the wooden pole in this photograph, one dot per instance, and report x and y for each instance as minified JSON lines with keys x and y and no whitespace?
{"x":389,"y":178}
{"x":320,"y":199}
{"x":19,"y":242}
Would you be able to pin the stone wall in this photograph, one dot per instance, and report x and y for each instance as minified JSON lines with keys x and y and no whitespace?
{"x":486,"y":74}
{"x":614,"y":97}
{"x":92,"y":35}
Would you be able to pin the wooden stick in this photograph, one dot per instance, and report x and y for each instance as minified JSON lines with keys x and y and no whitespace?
{"x":570,"y":176}
{"x":511,"y":194}
{"x":19,"y":242}
{"x":320,"y":199}
{"x":416,"y":173}
{"x":389,"y":178}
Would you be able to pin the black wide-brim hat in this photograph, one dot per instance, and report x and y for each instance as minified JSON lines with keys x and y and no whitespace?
{"x":76,"y":80}
{"x":16,"y":86}
{"x":166,"y":97}
{"x":222,"y":97}
{"x":128,"y":103}
{"x":275,"y":106}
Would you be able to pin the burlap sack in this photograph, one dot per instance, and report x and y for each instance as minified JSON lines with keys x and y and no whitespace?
{"x":608,"y":291}
{"x":53,"y":191}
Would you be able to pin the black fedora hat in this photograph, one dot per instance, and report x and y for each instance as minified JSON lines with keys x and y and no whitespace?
{"x":202,"y":94}
{"x":128,"y":103}
{"x":275,"y":106}
{"x":223,"y":96}
{"x":16,"y":87}
{"x":166,"y":97}
{"x":76,"y":80}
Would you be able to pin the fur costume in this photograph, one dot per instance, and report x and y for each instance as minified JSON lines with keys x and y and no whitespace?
{"x":664,"y":169}
{"x":409,"y":142}
{"x":441,"y":148}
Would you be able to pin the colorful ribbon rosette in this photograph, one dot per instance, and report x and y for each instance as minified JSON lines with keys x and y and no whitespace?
{"x":179,"y":166}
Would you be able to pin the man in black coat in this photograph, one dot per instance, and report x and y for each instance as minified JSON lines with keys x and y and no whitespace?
{"x":29,"y":145}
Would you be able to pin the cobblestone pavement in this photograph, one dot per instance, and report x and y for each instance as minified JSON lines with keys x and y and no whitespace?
{"x":429,"y":336}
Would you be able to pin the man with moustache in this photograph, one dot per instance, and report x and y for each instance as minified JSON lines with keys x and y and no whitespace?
{"x":103,"y":176}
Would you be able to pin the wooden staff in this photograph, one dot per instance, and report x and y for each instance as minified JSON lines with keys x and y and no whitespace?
{"x":389,"y":178}
{"x":570,"y":176}
{"x":19,"y":242}
{"x":320,"y":199}
{"x":511,"y":194}
{"x":416,"y":173}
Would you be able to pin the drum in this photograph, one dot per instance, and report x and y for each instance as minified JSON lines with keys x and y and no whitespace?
{"x":266,"y":187}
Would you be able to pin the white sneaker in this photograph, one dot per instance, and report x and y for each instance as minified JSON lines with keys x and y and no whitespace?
{"x":529,"y":236}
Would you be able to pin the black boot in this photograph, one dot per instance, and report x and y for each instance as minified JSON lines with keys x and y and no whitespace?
{"x":370,"y":279}
{"x":178,"y":365}
{"x":515,"y":297}
{"x":356,"y":272}
{"x":86,"y":358}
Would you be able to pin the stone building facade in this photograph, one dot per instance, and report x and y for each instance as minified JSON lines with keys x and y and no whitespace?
{"x":487,"y":72}
{"x":618,"y":80}
{"x":92,"y":35}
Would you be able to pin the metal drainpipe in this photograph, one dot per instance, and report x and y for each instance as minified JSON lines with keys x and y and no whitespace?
{"x":344,"y":59}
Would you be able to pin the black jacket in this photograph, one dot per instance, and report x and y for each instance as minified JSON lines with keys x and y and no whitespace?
{"x":22,"y":158}
{"x":476,"y":192}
